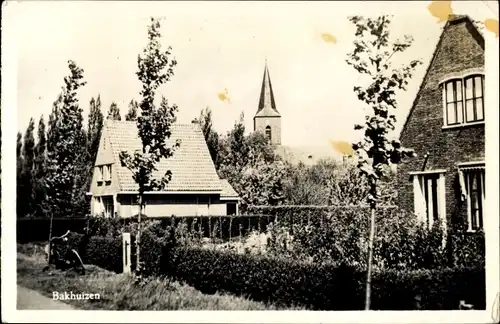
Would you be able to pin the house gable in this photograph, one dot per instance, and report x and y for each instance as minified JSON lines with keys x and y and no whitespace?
{"x":459,"y":52}
{"x":105,"y":151}
{"x":460,"y":47}
{"x":104,"y":158}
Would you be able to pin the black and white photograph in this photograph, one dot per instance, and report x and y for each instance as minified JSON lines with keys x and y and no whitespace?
{"x":323,"y":159}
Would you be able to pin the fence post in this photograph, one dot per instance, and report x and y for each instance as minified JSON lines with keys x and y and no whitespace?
{"x":126,"y":252}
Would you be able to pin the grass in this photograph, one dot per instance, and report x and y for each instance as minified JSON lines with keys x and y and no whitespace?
{"x":118,"y":291}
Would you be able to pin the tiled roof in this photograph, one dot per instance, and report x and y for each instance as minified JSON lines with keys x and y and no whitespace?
{"x":267,"y":106}
{"x":191,"y":165}
{"x":227,"y":190}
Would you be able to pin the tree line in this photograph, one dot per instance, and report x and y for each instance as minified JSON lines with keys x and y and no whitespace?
{"x":54,"y":170}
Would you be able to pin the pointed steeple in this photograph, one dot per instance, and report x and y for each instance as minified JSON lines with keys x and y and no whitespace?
{"x":267,"y":106}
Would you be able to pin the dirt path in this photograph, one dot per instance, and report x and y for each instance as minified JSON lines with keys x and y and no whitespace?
{"x":31,"y":299}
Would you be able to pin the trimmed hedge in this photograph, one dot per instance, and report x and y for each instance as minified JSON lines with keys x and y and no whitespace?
{"x":105,"y":252}
{"x":265,"y":279}
{"x":438,"y":289}
{"x":324,"y":287}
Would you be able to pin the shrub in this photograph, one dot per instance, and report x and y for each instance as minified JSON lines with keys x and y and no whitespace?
{"x":323,"y":286}
{"x":438,"y":289}
{"x":264,"y":279}
{"x":333,"y":234}
{"x":105,"y":252}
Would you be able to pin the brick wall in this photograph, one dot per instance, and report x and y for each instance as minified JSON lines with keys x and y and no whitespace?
{"x":461,"y":48}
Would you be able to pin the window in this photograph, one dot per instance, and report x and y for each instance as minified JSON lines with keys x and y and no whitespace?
{"x":231,"y":209}
{"x":473,"y":193}
{"x":429,"y":197}
{"x":100,"y":175}
{"x":463,"y":100}
{"x":474,"y":104}
{"x":268,"y":132}
{"x":107,"y":173}
{"x":454,"y":108}
{"x":108,"y":206}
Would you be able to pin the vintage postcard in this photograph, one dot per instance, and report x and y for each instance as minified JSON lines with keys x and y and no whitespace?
{"x":225,"y":162}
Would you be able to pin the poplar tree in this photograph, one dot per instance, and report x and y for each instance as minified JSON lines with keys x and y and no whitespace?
{"x":19,"y":169}
{"x":114,"y":112}
{"x":26,"y":181}
{"x":211,"y":136}
{"x":65,"y":146}
{"x":39,"y":169}
{"x":153,"y":124}
{"x":371,"y":57}
{"x":94,"y":131}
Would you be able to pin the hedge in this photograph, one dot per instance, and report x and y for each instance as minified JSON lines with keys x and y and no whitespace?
{"x":105,"y":252}
{"x":324,"y":287}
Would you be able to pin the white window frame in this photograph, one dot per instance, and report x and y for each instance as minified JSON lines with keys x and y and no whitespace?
{"x":465,"y":170}
{"x":100,"y":174}
{"x":463,"y":113}
{"x":108,"y":208}
{"x":421,"y":206}
{"x":107,"y":173}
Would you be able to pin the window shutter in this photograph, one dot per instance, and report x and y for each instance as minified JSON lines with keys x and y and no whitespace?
{"x":419,"y":201}
{"x":441,"y":191}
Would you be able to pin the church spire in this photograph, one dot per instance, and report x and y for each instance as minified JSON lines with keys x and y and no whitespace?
{"x":267,"y":105}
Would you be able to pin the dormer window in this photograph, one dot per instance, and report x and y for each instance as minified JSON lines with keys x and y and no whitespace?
{"x":463,"y":100}
{"x":104,"y":174}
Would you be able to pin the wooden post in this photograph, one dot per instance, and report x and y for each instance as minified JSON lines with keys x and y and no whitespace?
{"x":126,"y":253}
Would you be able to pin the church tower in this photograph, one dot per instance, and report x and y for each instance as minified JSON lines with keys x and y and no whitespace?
{"x":267,"y":119}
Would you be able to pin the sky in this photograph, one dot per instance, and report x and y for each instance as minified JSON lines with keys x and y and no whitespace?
{"x":221,"y":46}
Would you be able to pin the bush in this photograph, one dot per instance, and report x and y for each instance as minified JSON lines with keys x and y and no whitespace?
{"x":322,"y":286}
{"x":105,"y":252}
{"x":264,"y":279}
{"x":437,"y":289}
{"x":332,"y":234}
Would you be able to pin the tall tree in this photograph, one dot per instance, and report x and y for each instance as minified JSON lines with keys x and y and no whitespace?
{"x":153,"y":124}
{"x":19,"y":169}
{"x":371,"y":57}
{"x":39,"y":169}
{"x":131,"y":115}
{"x":114,"y":112}
{"x":26,"y":180}
{"x":94,"y":128}
{"x":65,"y":146}
{"x":211,"y":136}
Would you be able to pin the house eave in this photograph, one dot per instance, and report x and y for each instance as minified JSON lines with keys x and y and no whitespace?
{"x":230,"y":198}
{"x":427,"y":172}
{"x":471,"y":163}
{"x":212,"y":192}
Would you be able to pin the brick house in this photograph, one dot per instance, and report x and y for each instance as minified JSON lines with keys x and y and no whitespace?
{"x":194,"y":190}
{"x":445,"y":127}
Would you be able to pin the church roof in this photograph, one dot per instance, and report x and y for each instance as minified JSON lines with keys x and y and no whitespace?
{"x":267,"y":105}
